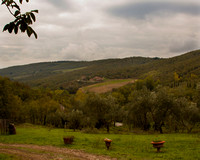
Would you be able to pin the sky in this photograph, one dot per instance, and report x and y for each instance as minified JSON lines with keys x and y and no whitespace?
{"x":100,"y":29}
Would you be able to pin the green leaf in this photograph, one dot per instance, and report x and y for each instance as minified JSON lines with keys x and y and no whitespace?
{"x":3,"y":2}
{"x":29,"y":31}
{"x":35,"y":34}
{"x":16,"y":29}
{"x":17,"y":19}
{"x":16,"y":6}
{"x":18,"y":23}
{"x":9,"y":2}
{"x":23,"y":26}
{"x":28,"y":20}
{"x":27,"y":13}
{"x":6,"y":27}
{"x":16,"y":13}
{"x":33,"y":17}
{"x":36,"y":11}
{"x":11,"y":27}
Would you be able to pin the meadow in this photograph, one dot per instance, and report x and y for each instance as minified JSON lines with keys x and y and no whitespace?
{"x":107,"y":85}
{"x":124,"y":146}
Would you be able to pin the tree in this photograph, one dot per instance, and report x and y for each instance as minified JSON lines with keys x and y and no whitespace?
{"x":176,"y":79}
{"x":161,"y":108}
{"x":148,"y":82}
{"x":140,"y":104}
{"x":75,"y":119}
{"x":22,"y":20}
{"x":97,"y":109}
{"x":115,"y":113}
{"x":187,"y":114}
{"x":9,"y":102}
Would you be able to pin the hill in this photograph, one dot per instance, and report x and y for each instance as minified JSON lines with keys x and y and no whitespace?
{"x":72,"y":74}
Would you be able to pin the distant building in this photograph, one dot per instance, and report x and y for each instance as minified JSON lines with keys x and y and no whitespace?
{"x":96,"y":79}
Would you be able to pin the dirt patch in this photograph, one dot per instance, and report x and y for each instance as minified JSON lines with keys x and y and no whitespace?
{"x":108,"y":87}
{"x":35,"y":152}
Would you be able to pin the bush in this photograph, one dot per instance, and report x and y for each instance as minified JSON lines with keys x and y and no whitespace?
{"x":90,"y":130}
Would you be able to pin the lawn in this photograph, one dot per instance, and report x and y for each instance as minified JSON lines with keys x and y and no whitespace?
{"x":123,"y":146}
{"x":7,"y":157}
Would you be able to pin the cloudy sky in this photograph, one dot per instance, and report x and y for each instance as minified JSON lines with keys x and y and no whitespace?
{"x":99,"y":29}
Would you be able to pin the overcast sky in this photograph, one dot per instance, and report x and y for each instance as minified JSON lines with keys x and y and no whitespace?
{"x":99,"y":29}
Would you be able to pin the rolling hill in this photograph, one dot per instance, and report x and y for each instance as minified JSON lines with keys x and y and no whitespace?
{"x":75,"y":74}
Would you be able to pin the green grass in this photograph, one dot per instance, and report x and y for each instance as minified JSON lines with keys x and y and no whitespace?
{"x":7,"y":157}
{"x":132,"y":146}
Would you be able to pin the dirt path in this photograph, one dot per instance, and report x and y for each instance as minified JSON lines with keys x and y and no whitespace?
{"x":35,"y":152}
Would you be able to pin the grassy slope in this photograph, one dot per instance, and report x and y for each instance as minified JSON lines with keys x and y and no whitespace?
{"x":177,"y":146}
{"x":108,"y":85}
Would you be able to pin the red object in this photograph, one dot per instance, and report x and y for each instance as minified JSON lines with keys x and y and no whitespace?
{"x":68,"y":140}
{"x":107,"y":142}
{"x":158,"y":144}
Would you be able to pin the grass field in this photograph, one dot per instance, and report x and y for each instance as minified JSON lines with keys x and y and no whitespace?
{"x":108,"y":85}
{"x":7,"y":157}
{"x":124,"y":146}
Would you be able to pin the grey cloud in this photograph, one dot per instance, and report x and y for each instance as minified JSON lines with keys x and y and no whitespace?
{"x":143,"y":9}
{"x":184,"y":47}
{"x":62,"y":4}
{"x":70,"y":30}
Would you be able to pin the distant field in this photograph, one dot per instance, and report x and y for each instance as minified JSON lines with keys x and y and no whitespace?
{"x":68,"y":70}
{"x":21,"y":77}
{"x":108,"y":85}
{"x":123,"y":147}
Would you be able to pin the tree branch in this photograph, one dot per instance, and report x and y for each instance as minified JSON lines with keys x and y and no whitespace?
{"x":10,"y":11}
{"x":22,"y":21}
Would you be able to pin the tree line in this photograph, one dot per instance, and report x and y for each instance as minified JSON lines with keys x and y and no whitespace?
{"x":146,"y":104}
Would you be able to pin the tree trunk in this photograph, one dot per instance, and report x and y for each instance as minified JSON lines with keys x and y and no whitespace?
{"x":146,"y":125}
{"x":160,"y":128}
{"x":44,"y":123}
{"x":108,"y":128}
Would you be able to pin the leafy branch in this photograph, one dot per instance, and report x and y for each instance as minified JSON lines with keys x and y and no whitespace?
{"x":22,"y":21}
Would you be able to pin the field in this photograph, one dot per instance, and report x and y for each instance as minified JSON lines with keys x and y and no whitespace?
{"x":37,"y":140}
{"x":108,"y":85}
{"x":68,"y":70}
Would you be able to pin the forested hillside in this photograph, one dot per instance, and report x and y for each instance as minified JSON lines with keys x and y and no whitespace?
{"x":68,"y":74}
{"x":72,"y":75}
{"x":165,"y":98}
{"x":145,"y":105}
